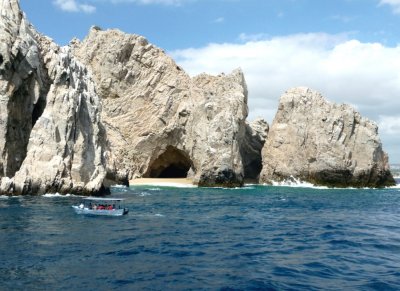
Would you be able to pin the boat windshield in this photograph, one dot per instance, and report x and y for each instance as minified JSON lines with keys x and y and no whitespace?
{"x":102,"y":204}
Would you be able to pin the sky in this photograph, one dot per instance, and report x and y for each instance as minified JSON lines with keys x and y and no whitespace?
{"x":348,"y":50}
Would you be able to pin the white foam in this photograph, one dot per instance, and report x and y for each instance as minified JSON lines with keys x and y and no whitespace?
{"x":3,"y":197}
{"x":395,"y":187}
{"x":119,"y":186}
{"x":144,"y":194}
{"x":158,"y":215}
{"x":246,"y":187}
{"x":296,"y":183}
{"x":51,"y":195}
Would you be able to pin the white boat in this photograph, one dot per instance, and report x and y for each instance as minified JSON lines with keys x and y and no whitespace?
{"x":101,"y":206}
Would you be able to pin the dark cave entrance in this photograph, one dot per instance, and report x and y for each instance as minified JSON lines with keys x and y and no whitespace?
{"x":173,"y":163}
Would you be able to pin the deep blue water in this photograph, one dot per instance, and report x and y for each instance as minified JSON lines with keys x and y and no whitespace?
{"x":256,"y":238}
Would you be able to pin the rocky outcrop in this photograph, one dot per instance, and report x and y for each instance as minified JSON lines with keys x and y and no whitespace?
{"x":51,"y":138}
{"x":323,"y":143}
{"x":114,"y":107}
{"x":23,"y":86}
{"x":161,"y":122}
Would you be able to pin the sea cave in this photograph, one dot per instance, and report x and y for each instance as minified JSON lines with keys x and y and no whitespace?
{"x":172,"y":163}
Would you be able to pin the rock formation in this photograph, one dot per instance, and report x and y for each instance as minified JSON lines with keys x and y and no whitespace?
{"x":323,"y":143}
{"x":51,"y":138}
{"x":114,"y":107}
{"x":159,"y":121}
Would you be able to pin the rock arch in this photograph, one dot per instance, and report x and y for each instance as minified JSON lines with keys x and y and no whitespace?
{"x":172,"y":163}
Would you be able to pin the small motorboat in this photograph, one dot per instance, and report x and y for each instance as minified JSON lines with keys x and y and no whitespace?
{"x":101,"y":206}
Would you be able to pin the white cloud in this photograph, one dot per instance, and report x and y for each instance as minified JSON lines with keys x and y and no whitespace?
{"x":395,"y":4}
{"x":74,"y":6}
{"x":219,"y":20}
{"x":390,"y":125}
{"x":366,"y":75}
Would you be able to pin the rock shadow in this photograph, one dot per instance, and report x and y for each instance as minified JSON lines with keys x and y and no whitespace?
{"x":172,"y":163}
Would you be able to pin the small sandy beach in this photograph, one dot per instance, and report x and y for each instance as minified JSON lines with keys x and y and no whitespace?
{"x":168,"y":182}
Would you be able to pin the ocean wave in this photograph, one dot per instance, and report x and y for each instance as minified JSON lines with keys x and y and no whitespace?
{"x":3,"y":197}
{"x":296,"y":183}
{"x":119,"y":186}
{"x":246,"y":187}
{"x":51,"y":195}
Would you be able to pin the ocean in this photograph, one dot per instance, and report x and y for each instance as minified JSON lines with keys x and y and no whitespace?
{"x":253,"y":238}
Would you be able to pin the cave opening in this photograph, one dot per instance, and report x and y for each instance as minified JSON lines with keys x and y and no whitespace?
{"x":172,"y":163}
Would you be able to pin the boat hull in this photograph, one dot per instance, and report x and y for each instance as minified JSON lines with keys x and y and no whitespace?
{"x":113,"y":212}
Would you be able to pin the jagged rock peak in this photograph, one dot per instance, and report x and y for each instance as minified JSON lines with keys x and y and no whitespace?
{"x":51,"y":136}
{"x":324,"y":143}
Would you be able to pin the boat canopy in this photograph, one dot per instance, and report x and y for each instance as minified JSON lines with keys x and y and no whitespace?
{"x":103,"y":199}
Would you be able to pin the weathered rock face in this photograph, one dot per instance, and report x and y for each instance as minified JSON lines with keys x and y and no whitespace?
{"x":251,"y":147}
{"x":23,"y":86}
{"x":159,"y":121}
{"x":323,"y":143}
{"x":51,"y":138}
{"x":153,"y":120}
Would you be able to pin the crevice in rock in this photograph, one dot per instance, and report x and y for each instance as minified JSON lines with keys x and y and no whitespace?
{"x":250,"y":151}
{"x":1,"y":59}
{"x":19,"y":126}
{"x":173,"y":163}
{"x":24,"y":108}
{"x":38,"y":109}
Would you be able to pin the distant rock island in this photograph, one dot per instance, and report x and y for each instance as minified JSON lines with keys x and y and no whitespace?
{"x":323,"y":143}
{"x":113,"y":107}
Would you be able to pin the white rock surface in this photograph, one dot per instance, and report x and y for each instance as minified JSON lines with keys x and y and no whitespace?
{"x":114,"y":107}
{"x":324,"y":143}
{"x":50,"y":131}
{"x":157,"y":116}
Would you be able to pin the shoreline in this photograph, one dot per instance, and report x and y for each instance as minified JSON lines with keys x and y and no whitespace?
{"x":166,"y":182}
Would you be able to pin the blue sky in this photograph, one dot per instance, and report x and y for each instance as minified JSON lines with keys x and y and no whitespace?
{"x":349,"y":50}
{"x":173,"y":24}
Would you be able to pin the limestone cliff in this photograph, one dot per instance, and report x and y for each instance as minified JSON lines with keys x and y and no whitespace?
{"x":113,"y":107}
{"x":159,"y":121}
{"x":51,"y":138}
{"x":323,"y":143}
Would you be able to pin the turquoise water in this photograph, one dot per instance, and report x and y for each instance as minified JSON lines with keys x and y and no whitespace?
{"x":255,"y":238}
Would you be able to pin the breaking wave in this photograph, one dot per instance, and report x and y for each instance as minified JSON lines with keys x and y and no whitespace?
{"x":296,"y":183}
{"x":51,"y":195}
